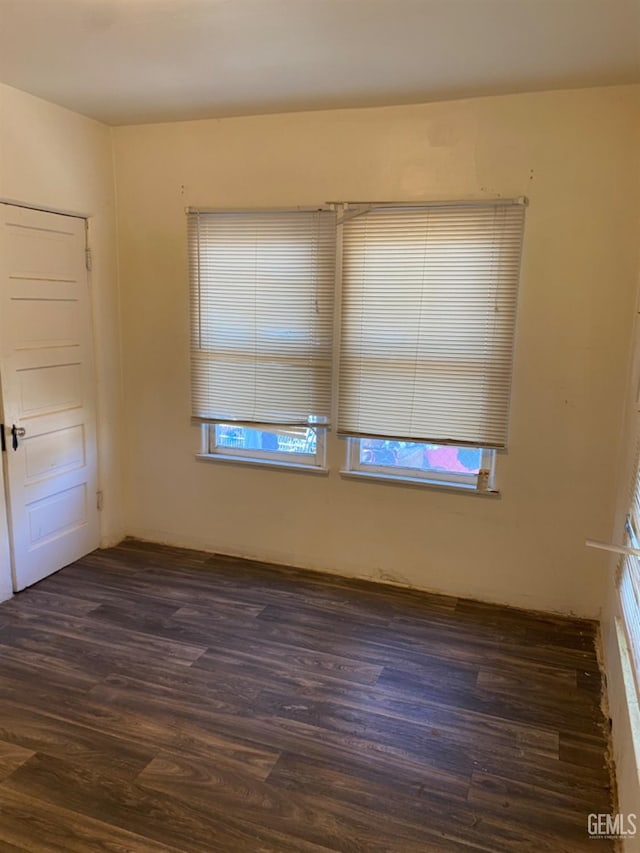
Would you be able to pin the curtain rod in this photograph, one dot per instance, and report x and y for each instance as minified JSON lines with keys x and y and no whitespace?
{"x":298,"y":209}
{"x":479,"y":202}
{"x":328,"y":205}
{"x":616,"y":549}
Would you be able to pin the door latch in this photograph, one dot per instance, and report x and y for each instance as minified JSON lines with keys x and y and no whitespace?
{"x":16,"y":433}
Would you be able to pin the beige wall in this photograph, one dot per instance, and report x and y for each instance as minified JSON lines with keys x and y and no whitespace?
{"x":574,"y":154}
{"x":55,"y":159}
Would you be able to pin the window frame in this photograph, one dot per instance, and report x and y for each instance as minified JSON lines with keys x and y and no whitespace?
{"x":452,"y":479}
{"x":211,"y":450}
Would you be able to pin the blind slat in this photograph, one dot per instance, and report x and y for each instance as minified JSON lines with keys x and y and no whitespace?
{"x":427,"y":324}
{"x":262,"y":287}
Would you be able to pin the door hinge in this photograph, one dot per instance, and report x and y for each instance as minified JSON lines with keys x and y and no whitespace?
{"x":99,"y":500}
{"x":88,"y":258}
{"x":3,"y":439}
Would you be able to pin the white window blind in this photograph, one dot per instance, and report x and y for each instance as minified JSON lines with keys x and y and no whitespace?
{"x":428,"y":316}
{"x":262,"y":288}
{"x":630,"y":575}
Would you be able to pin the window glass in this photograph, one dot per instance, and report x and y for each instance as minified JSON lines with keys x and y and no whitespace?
{"x":420,"y":456}
{"x":294,"y":441}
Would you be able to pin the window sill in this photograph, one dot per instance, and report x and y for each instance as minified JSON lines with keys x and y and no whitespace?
{"x":440,"y":485}
{"x":261,"y":463}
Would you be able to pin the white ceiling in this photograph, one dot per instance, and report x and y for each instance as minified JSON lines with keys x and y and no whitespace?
{"x":134,"y":61}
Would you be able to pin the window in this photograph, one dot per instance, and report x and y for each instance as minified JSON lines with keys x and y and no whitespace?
{"x":427,"y":326}
{"x":439,"y":464}
{"x":420,"y":375}
{"x":288,"y":445}
{"x":262,"y":292}
{"x":629,"y":579}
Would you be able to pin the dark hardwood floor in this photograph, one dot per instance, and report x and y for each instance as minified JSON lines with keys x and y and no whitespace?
{"x":155,"y":699}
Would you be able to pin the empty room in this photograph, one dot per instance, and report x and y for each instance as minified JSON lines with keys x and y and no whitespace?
{"x":320,"y":426}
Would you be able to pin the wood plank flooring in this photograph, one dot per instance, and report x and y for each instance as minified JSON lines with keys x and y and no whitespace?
{"x":155,"y":699}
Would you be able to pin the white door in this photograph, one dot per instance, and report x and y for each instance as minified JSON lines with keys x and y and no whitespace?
{"x":46,"y":374}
